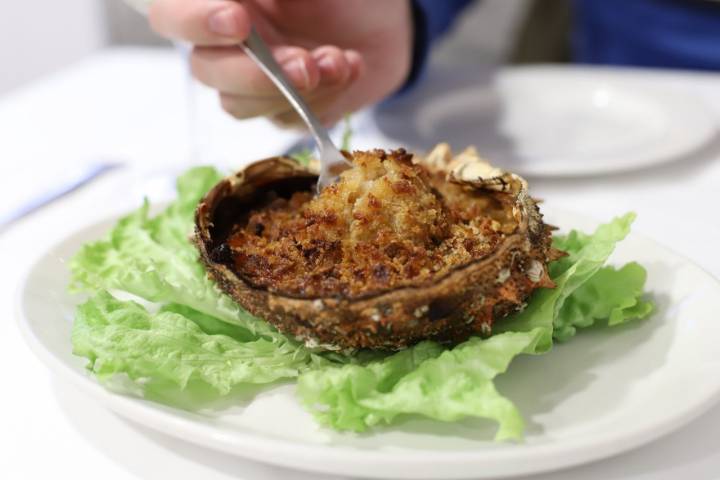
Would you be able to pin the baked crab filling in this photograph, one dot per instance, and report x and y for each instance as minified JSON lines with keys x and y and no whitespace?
{"x":401,"y":249}
{"x":387,"y":223}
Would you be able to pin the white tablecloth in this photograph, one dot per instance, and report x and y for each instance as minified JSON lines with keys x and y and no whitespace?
{"x":131,"y":106}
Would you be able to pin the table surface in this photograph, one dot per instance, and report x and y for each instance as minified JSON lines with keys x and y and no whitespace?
{"x":130,"y":105}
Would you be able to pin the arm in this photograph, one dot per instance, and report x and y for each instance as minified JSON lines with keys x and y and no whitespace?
{"x":341,"y":55}
{"x":674,"y":33}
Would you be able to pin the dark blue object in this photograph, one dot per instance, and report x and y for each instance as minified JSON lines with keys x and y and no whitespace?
{"x":644,"y":33}
{"x":648,"y":33}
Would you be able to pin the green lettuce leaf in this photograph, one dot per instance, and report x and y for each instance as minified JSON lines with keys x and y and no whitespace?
{"x":451,"y":384}
{"x":195,"y":338}
{"x":122,"y":337}
{"x":303,"y":157}
{"x":586,"y":255}
{"x":611,"y":295}
{"x":426,"y":379}
{"x":152,"y":258}
{"x":346,"y":142}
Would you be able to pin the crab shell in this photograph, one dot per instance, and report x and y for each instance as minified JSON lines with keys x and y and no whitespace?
{"x":450,"y":309}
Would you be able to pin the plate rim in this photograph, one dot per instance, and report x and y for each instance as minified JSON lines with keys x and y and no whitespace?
{"x":626,"y":77}
{"x":321,"y":458}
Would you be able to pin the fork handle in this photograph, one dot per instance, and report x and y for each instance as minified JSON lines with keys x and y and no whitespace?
{"x":256,"y":48}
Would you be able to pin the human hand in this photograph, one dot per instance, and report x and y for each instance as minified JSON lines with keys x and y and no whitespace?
{"x":341,"y":55}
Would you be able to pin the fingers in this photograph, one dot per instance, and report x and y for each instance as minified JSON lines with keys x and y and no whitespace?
{"x":357,"y":64}
{"x":321,"y":76}
{"x":333,"y":65}
{"x":331,"y":103}
{"x":201,"y":22}
{"x":288,"y":118}
{"x":216,"y":27}
{"x":244,"y":106}
{"x":278,"y":109}
{"x":230,"y":71}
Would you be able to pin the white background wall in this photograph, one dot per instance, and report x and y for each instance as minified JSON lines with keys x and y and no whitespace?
{"x":40,"y":36}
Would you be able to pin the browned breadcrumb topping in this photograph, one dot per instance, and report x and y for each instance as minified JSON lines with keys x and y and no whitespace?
{"x":386,"y":223}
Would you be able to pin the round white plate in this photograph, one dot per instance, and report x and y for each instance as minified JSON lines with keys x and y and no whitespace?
{"x":553,"y":121}
{"x":604,"y":392}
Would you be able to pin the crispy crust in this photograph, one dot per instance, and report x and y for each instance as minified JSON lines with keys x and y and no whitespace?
{"x":463,"y":302}
{"x":385,"y":224}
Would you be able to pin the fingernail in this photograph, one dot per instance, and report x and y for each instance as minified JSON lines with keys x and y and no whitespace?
{"x":327,"y":64}
{"x":223,"y":22}
{"x":297,"y":71}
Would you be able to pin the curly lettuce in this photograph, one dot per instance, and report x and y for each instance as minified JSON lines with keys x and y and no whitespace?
{"x":183,"y":333}
{"x":173,"y":346}
{"x":153,"y":259}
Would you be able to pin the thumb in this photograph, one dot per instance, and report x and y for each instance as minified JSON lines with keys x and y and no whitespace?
{"x":220,"y":22}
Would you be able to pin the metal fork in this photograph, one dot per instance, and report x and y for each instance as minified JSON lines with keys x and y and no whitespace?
{"x":332,"y":162}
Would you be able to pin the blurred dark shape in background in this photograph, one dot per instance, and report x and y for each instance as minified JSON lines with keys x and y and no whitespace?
{"x":644,"y":33}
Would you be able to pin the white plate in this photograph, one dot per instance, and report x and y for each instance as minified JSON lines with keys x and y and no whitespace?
{"x":553,"y":121}
{"x":604,"y":392}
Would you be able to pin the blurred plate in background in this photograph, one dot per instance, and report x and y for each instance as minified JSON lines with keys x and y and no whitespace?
{"x":552,"y":121}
